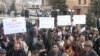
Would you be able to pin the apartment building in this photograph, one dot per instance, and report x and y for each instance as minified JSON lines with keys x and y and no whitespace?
{"x":79,"y":6}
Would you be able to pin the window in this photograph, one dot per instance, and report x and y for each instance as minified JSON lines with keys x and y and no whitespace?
{"x":92,"y":0}
{"x":84,"y":1}
{"x":78,"y":11}
{"x":79,"y":2}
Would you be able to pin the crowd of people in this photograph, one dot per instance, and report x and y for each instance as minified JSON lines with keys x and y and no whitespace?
{"x":60,"y":41}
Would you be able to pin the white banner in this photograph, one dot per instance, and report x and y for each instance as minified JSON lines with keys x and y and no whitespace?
{"x":37,"y":2}
{"x":19,"y":1}
{"x":46,"y":22}
{"x":14,"y":25}
{"x":34,"y":2}
{"x":63,"y":20}
{"x":79,"y":19}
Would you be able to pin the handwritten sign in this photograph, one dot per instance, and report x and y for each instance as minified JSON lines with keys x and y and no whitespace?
{"x":46,"y":22}
{"x":14,"y":25}
{"x":79,"y":19}
{"x":63,"y":20}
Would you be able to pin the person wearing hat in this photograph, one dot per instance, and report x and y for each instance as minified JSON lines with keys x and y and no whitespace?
{"x":2,"y":52}
{"x":88,"y":49}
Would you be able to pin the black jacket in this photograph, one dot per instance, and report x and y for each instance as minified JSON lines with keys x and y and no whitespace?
{"x":20,"y":52}
{"x":91,"y":53}
{"x":98,"y":23}
{"x":8,"y":47}
{"x":51,"y":53}
{"x":97,"y":46}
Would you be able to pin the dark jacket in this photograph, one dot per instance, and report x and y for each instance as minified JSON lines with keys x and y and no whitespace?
{"x":52,"y":53}
{"x":20,"y":52}
{"x":8,"y":47}
{"x":98,"y":23}
{"x":39,"y":47}
{"x":97,"y":46}
{"x":91,"y":53}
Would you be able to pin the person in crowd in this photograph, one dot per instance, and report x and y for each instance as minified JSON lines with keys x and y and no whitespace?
{"x":14,"y":39}
{"x":68,"y":48}
{"x":52,"y":36}
{"x":7,"y":45}
{"x":40,"y":47}
{"x":55,"y":50}
{"x":16,"y":50}
{"x":88,"y":49}
{"x":97,"y":45}
{"x":90,"y":36}
{"x":2,"y":52}
{"x":95,"y":35}
{"x":78,"y":27}
{"x":98,"y":24}
{"x":1,"y":38}
{"x":77,"y":48}
{"x":60,"y":42}
{"x":23,"y":43}
{"x":27,"y":13}
{"x":78,"y":45}
{"x":47,"y":40}
{"x":35,"y":53}
{"x":81,"y":40}
{"x":35,"y":40}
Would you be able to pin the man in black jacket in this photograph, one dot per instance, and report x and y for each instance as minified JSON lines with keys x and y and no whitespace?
{"x":16,"y":51}
{"x":97,"y":46}
{"x":55,"y":51}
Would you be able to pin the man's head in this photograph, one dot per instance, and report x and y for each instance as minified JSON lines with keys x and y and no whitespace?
{"x":20,"y":38}
{"x":88,"y":45}
{"x":82,"y":38}
{"x":17,"y":46}
{"x":2,"y":52}
{"x":55,"y":47}
{"x":40,"y":41}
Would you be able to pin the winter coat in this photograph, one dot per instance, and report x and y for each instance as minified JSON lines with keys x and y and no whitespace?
{"x":20,"y":52}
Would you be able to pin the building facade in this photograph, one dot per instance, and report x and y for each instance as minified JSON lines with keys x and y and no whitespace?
{"x":79,"y":6}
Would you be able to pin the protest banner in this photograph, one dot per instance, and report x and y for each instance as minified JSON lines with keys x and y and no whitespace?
{"x":63,"y":20}
{"x":35,"y":2}
{"x":79,"y":19}
{"x":46,"y":22}
{"x":14,"y":25}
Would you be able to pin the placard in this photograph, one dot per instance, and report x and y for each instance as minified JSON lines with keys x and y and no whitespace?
{"x":14,"y":25}
{"x":34,"y":2}
{"x":37,"y":2}
{"x":46,"y":22}
{"x":79,"y":19}
{"x":63,"y":20}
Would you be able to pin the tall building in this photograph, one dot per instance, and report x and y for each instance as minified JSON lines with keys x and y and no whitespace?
{"x":79,"y":6}
{"x":42,"y":4}
{"x":46,"y":4}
